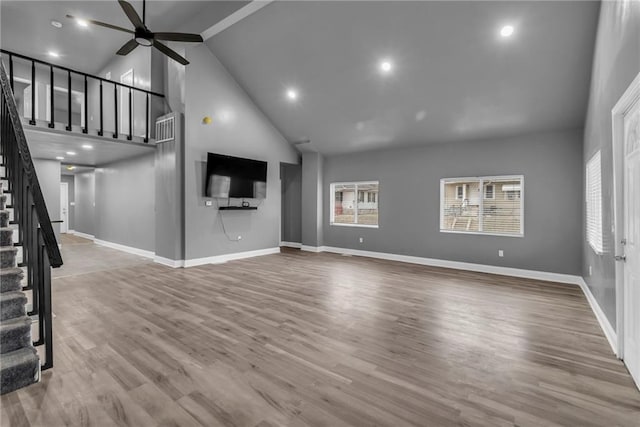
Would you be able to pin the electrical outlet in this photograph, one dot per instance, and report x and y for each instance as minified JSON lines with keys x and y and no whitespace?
{"x":590,"y":271}
{"x":500,"y":253}
{"x":208,"y":203}
{"x":362,"y":240}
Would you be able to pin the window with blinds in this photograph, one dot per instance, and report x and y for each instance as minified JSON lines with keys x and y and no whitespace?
{"x":594,"y":203}
{"x":482,"y":205}
{"x":354,"y":203}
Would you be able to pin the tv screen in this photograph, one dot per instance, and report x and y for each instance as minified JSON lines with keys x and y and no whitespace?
{"x":235,"y":177}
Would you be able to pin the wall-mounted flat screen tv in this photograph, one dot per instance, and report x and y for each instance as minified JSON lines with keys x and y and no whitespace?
{"x":235,"y":177}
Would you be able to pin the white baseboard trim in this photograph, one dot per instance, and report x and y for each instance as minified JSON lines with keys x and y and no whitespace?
{"x":173,"y":263}
{"x":295,"y":245}
{"x":458,"y":265}
{"x":84,"y":235}
{"x":219,"y":259}
{"x":606,"y":327}
{"x":313,"y":248}
{"x":71,"y":232}
{"x":123,"y":248}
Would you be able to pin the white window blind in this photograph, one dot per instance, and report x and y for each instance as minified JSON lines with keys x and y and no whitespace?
{"x":594,"y":203}
{"x":491,"y":205}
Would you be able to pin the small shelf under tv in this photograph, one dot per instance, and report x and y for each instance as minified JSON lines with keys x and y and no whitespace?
{"x":238,"y":208}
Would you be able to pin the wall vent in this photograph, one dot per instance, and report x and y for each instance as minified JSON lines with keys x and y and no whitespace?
{"x":166,"y":129}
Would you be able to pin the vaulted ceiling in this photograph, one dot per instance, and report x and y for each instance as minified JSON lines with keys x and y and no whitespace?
{"x":26,"y":26}
{"x":453,"y":76}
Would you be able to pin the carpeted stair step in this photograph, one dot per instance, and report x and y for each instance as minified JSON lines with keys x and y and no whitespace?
{"x":4,"y":218}
{"x":6,"y":236}
{"x":12,"y":305}
{"x":8,"y":256}
{"x":3,"y":201}
{"x":11,"y":279}
{"x":15,"y":334}
{"x":18,"y":369}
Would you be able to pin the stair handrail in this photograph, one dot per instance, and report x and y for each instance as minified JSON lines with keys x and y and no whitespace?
{"x":48,"y":235}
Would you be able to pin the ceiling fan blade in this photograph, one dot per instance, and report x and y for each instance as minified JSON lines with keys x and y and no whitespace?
{"x":131,"y":14}
{"x":104,"y":24}
{"x":169,"y":52}
{"x":179,"y":37}
{"x":127,"y":47}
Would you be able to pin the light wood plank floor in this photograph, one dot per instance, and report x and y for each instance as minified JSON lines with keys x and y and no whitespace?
{"x":302,"y":339}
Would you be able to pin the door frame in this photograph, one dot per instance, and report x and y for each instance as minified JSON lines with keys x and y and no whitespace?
{"x":64,"y":224}
{"x":624,"y":104}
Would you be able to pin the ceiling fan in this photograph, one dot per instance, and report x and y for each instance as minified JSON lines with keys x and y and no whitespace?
{"x":143,"y":36}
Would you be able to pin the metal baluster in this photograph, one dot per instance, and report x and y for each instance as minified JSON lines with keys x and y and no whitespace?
{"x":101,"y":131}
{"x":146,"y":116}
{"x":115,"y":105}
{"x":33,"y":94}
{"x":130,"y":116}
{"x":68,"y":100}
{"x":85,"y":129}
{"x":51,"y":100}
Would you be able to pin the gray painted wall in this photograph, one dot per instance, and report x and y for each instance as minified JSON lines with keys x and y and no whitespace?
{"x":616,"y":63}
{"x":70,"y":179}
{"x":240,"y":129}
{"x":291,"y":217}
{"x":85,"y":197}
{"x":48,"y":172}
{"x":410,"y":200}
{"x":312,"y":197}
{"x":125,"y":202}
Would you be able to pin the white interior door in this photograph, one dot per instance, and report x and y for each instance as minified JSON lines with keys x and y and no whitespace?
{"x":631,"y":212}
{"x":64,"y":207}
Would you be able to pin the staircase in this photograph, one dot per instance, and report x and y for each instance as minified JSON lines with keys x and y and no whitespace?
{"x":28,"y":251}
{"x":19,"y":361}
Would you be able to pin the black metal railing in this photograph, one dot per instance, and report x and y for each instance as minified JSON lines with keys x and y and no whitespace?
{"x":86,"y":78}
{"x":36,"y":237}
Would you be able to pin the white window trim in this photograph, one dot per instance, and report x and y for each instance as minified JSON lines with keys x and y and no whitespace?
{"x":482,"y":179}
{"x":597,"y":246}
{"x":332,"y":203}
{"x":493,"y":192}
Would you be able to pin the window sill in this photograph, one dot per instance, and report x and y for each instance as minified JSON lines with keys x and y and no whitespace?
{"x":482,"y":233}
{"x":338,"y":224}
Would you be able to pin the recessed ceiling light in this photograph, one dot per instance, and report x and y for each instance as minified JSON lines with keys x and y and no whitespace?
{"x":70,"y":168}
{"x":507,"y":31}
{"x":56,"y":24}
{"x":292,"y":94}
{"x":71,"y":153}
{"x":59,"y":158}
{"x":82,"y":22}
{"x":87,"y":146}
{"x":54,"y":54}
{"x":386,"y":66}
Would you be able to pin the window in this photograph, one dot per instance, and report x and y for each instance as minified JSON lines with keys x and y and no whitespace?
{"x":354,"y":204}
{"x":488,"y":192}
{"x":482,"y":205}
{"x":594,"y":204}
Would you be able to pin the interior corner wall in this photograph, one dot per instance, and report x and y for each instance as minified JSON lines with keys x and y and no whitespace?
{"x":312,"y":199}
{"x":239,"y":129}
{"x":125,"y":202}
{"x":69,"y":179}
{"x":616,"y":63}
{"x":409,"y":198}
{"x":85,"y":198}
{"x":48,"y":172}
{"x":291,"y":219}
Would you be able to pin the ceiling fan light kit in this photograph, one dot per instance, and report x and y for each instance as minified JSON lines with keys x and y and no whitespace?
{"x":143,"y":36}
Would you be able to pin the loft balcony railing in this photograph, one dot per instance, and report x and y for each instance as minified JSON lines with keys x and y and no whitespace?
{"x":81,"y":102}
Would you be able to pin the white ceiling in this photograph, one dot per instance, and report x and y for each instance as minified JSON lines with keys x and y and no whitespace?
{"x":26,"y":27}
{"x":47,"y":144}
{"x":455,"y":78}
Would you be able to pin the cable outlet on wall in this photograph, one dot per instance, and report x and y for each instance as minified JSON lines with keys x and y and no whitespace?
{"x":500,"y":253}
{"x":361,"y":240}
{"x":208,"y":203}
{"x":239,"y":238}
